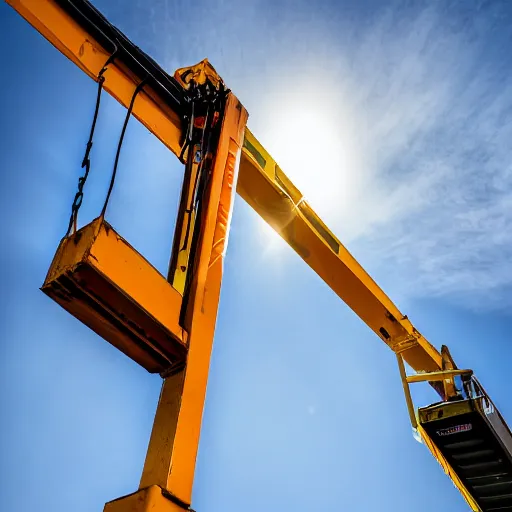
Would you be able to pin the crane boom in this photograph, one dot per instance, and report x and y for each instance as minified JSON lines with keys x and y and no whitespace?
{"x":275,"y":198}
{"x":83,"y":35}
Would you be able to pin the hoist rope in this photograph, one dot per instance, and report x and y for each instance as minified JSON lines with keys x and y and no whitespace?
{"x":120,"y":143}
{"x":86,"y":162}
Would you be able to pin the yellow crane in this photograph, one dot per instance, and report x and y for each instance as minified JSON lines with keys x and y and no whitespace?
{"x":166,"y":324}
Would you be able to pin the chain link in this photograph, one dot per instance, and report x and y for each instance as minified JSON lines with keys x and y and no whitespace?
{"x":86,"y":162}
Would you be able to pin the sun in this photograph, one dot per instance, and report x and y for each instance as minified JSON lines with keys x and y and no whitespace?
{"x":309,"y":136}
{"x":271,"y":242}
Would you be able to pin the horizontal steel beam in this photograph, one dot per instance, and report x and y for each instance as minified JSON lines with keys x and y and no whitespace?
{"x":81,"y":33}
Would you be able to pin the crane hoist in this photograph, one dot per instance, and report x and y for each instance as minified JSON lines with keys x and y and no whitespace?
{"x":166,"y":323}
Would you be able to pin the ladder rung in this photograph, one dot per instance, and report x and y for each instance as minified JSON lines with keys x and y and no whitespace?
{"x":473,"y":455}
{"x":463,"y":444}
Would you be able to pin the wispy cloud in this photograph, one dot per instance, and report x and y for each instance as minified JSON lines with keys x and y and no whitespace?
{"x":396,"y":125}
{"x":422,"y":105}
{"x":438,"y":208}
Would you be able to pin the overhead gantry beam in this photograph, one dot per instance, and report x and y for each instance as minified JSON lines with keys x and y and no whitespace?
{"x":271,"y":193}
{"x":83,"y":35}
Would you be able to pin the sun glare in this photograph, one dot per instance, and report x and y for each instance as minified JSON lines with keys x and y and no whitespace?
{"x":310,"y":138}
{"x":271,"y":241}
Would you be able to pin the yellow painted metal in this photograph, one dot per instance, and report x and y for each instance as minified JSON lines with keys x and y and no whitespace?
{"x":270,"y":192}
{"x":158,"y":462}
{"x":200,"y":73}
{"x":448,"y":469}
{"x":174,"y":441}
{"x":171,"y":457}
{"x":90,"y":56}
{"x":261,"y":183}
{"x":150,"y":499}
{"x":407,"y":392}
{"x":445,"y":410}
{"x":179,"y":265}
{"x":437,"y":376}
{"x":428,"y":413}
{"x":423,"y":413}
{"x":447,"y":363}
{"x":104,"y":282}
{"x":481,"y":404}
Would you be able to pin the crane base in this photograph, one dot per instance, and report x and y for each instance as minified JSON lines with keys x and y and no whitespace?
{"x":149,"y":499}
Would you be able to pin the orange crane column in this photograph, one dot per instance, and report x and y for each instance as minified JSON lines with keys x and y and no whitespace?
{"x":182,"y":437}
{"x":171,"y":456}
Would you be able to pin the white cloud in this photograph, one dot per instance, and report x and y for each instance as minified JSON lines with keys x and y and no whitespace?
{"x":395,"y":125}
{"x":423,"y":194}
{"x":444,"y":178}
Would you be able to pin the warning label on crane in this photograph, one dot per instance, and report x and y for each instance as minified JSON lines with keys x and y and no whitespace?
{"x":456,"y":429}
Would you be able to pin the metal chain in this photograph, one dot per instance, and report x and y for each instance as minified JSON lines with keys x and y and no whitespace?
{"x":86,"y":162}
{"x":206,"y":135}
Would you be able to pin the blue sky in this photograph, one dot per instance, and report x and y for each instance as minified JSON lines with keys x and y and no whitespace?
{"x":404,"y":150}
